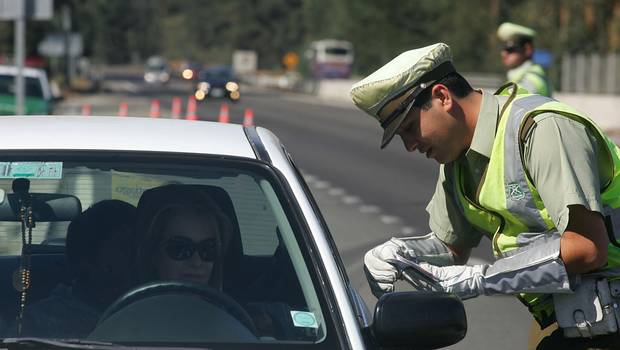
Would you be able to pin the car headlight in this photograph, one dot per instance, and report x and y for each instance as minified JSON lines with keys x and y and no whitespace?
{"x":149,"y":77}
{"x":204,"y":86}
{"x":164,"y":77}
{"x":232,"y":86}
{"x":187,"y":74}
{"x":200,"y":95}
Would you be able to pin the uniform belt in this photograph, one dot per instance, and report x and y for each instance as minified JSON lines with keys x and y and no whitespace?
{"x":593,"y":309}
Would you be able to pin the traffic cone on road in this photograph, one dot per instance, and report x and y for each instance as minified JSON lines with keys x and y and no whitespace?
{"x":248,"y":117}
{"x":176,"y":107}
{"x":122,"y":109}
{"x":224,"y":117}
{"x":154,"y":108}
{"x":191,"y":109}
{"x":86,"y":109}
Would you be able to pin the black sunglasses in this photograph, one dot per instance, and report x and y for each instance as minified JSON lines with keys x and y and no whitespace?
{"x":181,"y":248}
{"x":512,"y":48}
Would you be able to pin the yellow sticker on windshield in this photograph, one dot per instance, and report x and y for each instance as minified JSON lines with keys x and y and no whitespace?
{"x":129,"y":187}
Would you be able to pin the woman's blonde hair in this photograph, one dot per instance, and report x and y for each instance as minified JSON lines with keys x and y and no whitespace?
{"x":158,"y":206}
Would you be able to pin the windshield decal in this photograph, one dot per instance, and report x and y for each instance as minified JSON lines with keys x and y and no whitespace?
{"x":32,"y":170}
{"x":304,"y":319}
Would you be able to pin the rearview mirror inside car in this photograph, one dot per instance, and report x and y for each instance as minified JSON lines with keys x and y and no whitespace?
{"x":420,"y":320}
{"x":46,"y":207}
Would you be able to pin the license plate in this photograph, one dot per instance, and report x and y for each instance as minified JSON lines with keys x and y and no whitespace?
{"x":217,"y":92}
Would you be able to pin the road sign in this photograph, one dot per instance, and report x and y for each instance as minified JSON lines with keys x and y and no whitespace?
{"x":54,"y":45}
{"x":32,"y":9}
{"x":290,"y":60}
{"x":244,"y":62}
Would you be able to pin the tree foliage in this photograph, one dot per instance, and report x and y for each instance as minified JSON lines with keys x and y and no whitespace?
{"x":121,"y":31}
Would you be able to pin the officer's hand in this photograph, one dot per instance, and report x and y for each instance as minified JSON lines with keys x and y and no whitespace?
{"x":380,"y":274}
{"x":466,"y":281}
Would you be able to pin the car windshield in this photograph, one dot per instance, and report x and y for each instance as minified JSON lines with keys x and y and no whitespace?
{"x":33,"y":86}
{"x":140,"y":249}
{"x":216,"y":74}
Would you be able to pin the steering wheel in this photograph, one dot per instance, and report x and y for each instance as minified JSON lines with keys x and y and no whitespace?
{"x":206,"y":293}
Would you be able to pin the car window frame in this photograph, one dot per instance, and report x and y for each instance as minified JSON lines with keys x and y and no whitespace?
{"x":335,"y":335}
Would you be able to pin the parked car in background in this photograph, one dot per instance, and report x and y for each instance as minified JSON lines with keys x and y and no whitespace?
{"x":156,"y":70}
{"x":217,"y":82}
{"x":282,"y":282}
{"x":38,"y":96}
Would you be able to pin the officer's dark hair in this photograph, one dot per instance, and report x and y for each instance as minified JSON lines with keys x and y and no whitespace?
{"x":91,"y":228}
{"x":453,"y":81}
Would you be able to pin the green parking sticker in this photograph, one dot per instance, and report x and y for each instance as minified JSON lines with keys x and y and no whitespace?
{"x":31,"y":170}
{"x":304,"y":319}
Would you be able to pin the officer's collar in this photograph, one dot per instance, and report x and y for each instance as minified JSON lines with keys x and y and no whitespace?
{"x":484,"y":134}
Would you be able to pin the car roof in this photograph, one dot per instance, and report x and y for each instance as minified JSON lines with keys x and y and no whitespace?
{"x":27,"y":71}
{"x":123,"y":134}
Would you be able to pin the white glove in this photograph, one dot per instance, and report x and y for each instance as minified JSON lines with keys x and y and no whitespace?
{"x":466,"y":281}
{"x":382,"y":275}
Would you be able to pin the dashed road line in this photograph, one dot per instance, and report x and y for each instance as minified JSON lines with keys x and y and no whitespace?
{"x":348,"y":199}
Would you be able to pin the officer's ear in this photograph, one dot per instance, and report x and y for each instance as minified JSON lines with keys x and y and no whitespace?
{"x":528,"y":49}
{"x":443,"y":96}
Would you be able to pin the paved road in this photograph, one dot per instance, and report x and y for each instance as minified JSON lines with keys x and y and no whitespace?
{"x":366,"y":195}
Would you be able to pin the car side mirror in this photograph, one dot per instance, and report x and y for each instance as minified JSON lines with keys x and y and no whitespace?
{"x":420,"y":320}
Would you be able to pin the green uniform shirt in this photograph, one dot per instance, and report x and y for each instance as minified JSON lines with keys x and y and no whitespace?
{"x":559,"y":154}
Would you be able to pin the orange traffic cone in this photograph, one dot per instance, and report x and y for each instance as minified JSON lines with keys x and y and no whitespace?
{"x":191,"y":109}
{"x":248,"y":117}
{"x":176,"y":107}
{"x":86,"y":109}
{"x":122,"y":109}
{"x":154,"y":108}
{"x":224,"y":117}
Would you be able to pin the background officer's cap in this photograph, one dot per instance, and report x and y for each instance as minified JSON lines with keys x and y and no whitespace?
{"x":510,"y":31}
{"x":389,"y":93}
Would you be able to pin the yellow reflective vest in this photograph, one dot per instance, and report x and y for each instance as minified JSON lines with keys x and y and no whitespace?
{"x":509,"y":207}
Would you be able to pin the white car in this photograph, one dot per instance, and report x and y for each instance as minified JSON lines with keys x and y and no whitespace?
{"x":282,"y":283}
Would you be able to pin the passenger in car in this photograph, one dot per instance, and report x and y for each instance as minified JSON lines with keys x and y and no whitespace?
{"x":100,"y":247}
{"x":182,"y":236}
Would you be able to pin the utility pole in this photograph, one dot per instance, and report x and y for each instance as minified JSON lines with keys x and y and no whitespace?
{"x":20,"y":48}
{"x":66,"y":26}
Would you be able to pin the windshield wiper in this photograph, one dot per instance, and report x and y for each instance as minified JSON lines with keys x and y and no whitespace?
{"x":33,"y":342}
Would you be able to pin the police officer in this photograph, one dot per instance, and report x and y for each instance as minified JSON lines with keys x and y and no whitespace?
{"x":517,"y":51}
{"x":532,"y":174}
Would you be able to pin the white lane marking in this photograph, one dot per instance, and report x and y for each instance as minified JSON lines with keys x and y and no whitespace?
{"x":369,"y":209}
{"x":389,"y":219}
{"x":316,"y":182}
{"x":321,"y":184}
{"x":408,"y":230}
{"x":351,"y":200}
{"x":336,"y":191}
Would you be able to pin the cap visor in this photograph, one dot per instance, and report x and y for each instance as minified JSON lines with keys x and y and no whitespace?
{"x":391,"y":129}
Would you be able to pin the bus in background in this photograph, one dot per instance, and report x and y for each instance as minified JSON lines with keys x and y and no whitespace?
{"x":330,"y":58}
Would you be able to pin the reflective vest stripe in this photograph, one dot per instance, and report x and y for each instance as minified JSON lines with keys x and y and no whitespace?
{"x":519,"y":198}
